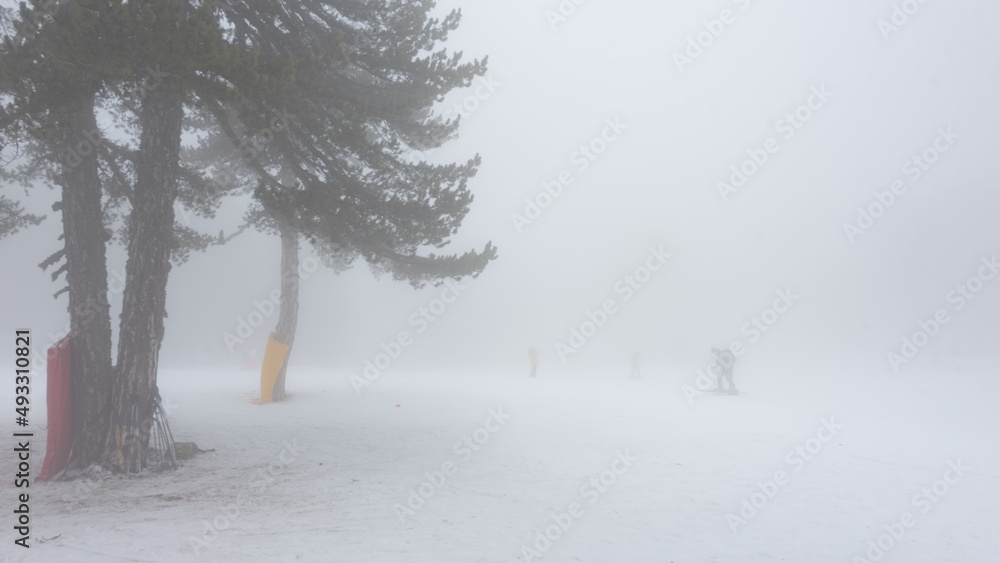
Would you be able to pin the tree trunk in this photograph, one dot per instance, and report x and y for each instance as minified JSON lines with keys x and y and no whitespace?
{"x":87,"y":276}
{"x":288,"y":316}
{"x":150,"y":243}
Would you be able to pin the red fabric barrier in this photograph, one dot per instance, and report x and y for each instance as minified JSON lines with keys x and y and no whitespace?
{"x":60,"y":436}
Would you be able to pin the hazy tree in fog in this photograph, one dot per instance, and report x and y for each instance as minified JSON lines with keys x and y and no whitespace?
{"x":338,"y":173}
{"x":54,"y":65}
{"x":350,"y":189}
{"x":144,"y":62}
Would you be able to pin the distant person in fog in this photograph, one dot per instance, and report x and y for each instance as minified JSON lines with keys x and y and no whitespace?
{"x":635,"y":366}
{"x":533,"y":358}
{"x":722,"y":366}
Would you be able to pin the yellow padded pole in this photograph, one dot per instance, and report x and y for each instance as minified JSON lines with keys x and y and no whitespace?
{"x":274,"y":358}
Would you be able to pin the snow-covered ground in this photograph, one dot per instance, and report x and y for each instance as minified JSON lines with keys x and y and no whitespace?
{"x":503,"y":460}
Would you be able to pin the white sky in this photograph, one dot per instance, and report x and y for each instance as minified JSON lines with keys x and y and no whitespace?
{"x":656,"y":185}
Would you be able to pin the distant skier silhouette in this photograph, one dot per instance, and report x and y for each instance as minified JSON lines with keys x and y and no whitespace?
{"x":635,"y":366}
{"x":533,"y":358}
{"x":722,"y":366}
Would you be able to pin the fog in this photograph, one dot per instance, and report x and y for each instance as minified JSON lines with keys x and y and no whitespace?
{"x":551,"y":89}
{"x":811,"y":185}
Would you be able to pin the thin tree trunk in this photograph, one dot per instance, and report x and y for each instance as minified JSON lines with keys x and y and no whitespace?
{"x":87,"y":276}
{"x":151,"y":241}
{"x":288,"y":316}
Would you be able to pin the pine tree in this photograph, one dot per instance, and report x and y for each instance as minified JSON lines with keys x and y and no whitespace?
{"x":185,"y":44}
{"x":339,"y":174}
{"x":62,"y":62}
{"x":362,"y":77}
{"x":54,"y":66}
